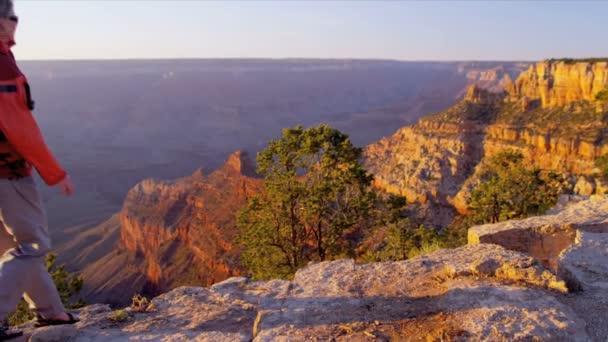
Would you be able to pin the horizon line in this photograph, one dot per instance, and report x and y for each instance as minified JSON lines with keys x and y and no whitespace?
{"x":290,"y":59}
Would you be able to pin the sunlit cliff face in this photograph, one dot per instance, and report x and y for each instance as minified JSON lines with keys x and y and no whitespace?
{"x":193,"y":219}
{"x":550,"y":114}
{"x":560,"y":83}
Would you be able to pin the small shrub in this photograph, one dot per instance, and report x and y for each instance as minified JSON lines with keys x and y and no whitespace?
{"x":140,"y":303}
{"x":602,"y":95}
{"x":426,"y":248}
{"x":510,"y":190}
{"x":119,"y":316}
{"x":405,"y":239}
{"x":602,"y":164}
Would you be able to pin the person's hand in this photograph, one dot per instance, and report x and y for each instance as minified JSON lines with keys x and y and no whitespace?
{"x":66,"y":185}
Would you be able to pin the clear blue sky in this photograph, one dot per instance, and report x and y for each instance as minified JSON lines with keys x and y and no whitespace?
{"x":81,"y":29}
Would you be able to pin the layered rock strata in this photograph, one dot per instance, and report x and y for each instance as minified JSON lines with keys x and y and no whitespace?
{"x":558,"y":83}
{"x":558,"y":126}
{"x":175,"y":233}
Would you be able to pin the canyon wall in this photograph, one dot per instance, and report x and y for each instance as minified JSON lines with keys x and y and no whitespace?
{"x":558,"y":83}
{"x":175,"y":233}
{"x":558,"y":125}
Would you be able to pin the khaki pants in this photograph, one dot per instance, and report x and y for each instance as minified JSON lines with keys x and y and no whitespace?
{"x":24,"y":244}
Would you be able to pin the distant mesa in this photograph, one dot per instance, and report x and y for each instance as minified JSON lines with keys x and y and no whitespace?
{"x":559,"y":82}
{"x":554,"y":82}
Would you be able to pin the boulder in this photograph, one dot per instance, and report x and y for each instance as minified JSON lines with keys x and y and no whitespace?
{"x":545,"y":237}
{"x":584,"y":265}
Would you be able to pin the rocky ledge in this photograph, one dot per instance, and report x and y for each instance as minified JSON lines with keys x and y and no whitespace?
{"x":573,"y":241}
{"x":480,"y":292}
{"x":546,"y":237}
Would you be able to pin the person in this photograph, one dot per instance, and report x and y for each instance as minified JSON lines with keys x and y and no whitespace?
{"x":22,"y":217}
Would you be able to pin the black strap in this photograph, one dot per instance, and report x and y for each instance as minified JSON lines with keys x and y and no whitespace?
{"x":28,"y":93}
{"x":8,"y":88}
{"x":13,"y":166}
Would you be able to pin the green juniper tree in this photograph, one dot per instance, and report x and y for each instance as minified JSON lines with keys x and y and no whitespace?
{"x":315,"y":191}
{"x":511,"y":190}
{"x":403,"y":238}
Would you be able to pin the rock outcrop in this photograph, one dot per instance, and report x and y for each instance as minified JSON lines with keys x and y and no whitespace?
{"x":175,"y":233}
{"x":479,"y":292}
{"x":563,"y":129}
{"x":573,"y":240}
{"x":474,"y":293}
{"x":583,"y":264}
{"x":494,"y":79}
{"x":479,"y":95}
{"x":558,"y":83}
{"x":427,"y":163}
{"x":546,"y":237}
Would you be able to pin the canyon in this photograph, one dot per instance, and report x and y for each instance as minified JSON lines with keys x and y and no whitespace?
{"x":112,"y":123}
{"x":174,"y":233}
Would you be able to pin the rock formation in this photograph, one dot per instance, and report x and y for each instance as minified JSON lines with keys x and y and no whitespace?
{"x":475,"y":293}
{"x":558,"y":83}
{"x":479,"y":95}
{"x":175,"y":233}
{"x":427,"y":163}
{"x":561,"y":128}
{"x":546,"y":237}
{"x":573,"y":240}
{"x":493,"y":79}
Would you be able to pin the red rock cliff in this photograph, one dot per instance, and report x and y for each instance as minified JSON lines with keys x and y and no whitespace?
{"x":175,"y":233}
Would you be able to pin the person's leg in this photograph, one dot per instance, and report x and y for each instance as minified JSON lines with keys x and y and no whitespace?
{"x":22,"y":268}
{"x":41,"y":294}
{"x":6,"y":240}
{"x":10,"y":287}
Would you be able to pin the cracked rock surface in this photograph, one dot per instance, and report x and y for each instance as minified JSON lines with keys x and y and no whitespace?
{"x":479,"y":292}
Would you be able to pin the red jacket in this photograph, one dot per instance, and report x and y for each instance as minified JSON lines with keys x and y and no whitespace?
{"x":21,"y":143}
